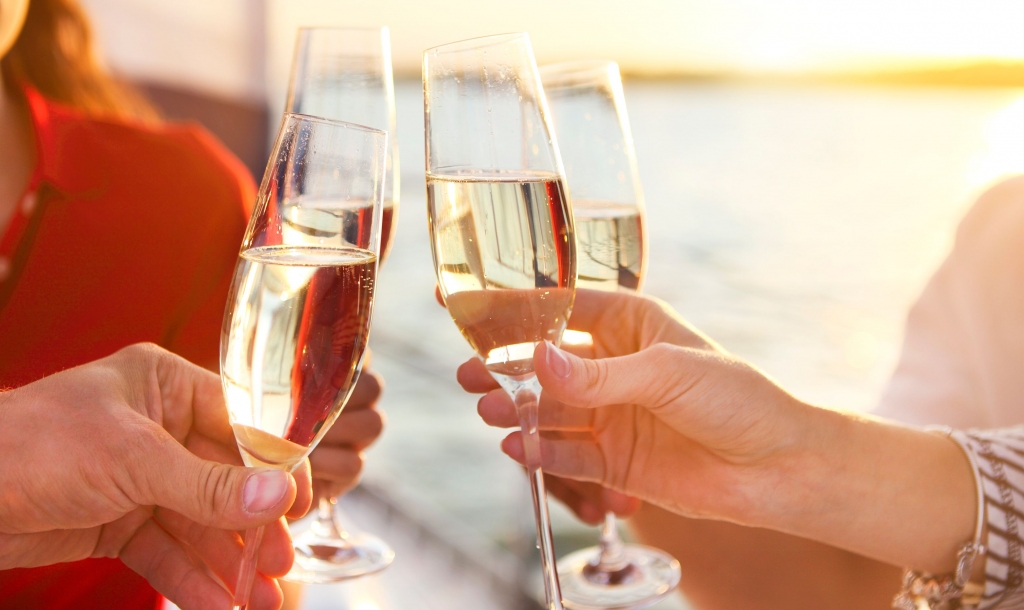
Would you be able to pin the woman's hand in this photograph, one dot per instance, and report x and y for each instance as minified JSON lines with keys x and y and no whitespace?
{"x":659,"y":412}
{"x":132,"y":456}
{"x":624,"y":416}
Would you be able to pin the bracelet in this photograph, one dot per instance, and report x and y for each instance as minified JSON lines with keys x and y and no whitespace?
{"x":925,"y":591}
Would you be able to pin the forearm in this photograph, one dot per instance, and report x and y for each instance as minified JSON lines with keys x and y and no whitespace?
{"x":731,"y":567}
{"x":896,"y":494}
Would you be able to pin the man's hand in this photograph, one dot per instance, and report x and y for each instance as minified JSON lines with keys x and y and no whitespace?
{"x":132,"y":456}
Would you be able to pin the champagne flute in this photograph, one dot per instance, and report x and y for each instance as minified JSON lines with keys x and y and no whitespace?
{"x":345,"y":74}
{"x":298,"y":314}
{"x":589,"y":115}
{"x":501,"y":225}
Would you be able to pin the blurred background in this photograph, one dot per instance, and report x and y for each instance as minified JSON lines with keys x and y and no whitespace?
{"x":805,"y":164}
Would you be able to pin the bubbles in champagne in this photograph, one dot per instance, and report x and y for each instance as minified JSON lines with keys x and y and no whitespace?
{"x":504,"y":255}
{"x":298,"y":320}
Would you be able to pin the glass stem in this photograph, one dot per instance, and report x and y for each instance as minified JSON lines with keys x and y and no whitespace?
{"x":325,"y":511}
{"x":326,"y":526}
{"x":613,"y":552}
{"x":526,"y":395}
{"x":247,"y":572}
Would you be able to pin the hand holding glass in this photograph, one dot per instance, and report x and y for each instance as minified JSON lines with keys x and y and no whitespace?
{"x":589,"y":115}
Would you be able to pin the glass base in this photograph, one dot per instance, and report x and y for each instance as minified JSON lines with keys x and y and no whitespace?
{"x":645,"y":578}
{"x":322,"y":560}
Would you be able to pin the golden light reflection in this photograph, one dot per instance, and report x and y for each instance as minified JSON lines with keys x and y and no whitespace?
{"x":687,"y":36}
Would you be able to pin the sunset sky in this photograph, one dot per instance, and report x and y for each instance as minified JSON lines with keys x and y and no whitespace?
{"x":215,"y":45}
{"x":658,"y":36}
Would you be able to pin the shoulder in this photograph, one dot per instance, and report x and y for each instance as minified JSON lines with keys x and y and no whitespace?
{"x":183,"y":156}
{"x":180,"y":161}
{"x":206,"y":151}
{"x":965,"y":334}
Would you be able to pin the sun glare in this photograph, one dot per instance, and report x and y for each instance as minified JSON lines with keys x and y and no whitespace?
{"x":1003,"y":152}
{"x":696,"y":35}
{"x":795,"y":35}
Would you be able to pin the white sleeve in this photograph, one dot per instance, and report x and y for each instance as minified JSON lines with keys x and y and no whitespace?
{"x":962,"y":363}
{"x":999,"y":464}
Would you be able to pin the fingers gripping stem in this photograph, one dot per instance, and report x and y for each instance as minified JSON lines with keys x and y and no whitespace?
{"x":527,"y":406}
{"x":525,"y":392}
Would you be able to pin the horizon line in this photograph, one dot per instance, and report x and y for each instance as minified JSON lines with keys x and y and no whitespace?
{"x":1004,"y":73}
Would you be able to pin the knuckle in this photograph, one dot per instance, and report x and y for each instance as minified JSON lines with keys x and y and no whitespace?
{"x":658,"y":370}
{"x":652,"y":306}
{"x":216,"y":487}
{"x":596,"y":376}
{"x":135,"y":457}
{"x":135,"y":361}
{"x":670,"y":361}
{"x":664,"y":354}
{"x":143,"y":350}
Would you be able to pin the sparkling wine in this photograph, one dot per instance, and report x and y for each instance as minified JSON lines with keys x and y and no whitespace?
{"x":261,"y":448}
{"x":504,"y":254}
{"x":293,"y":345}
{"x":315,"y":223}
{"x":387,"y":229}
{"x":611,"y":248}
{"x":319,"y":222}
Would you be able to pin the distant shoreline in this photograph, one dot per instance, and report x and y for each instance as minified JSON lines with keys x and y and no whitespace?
{"x":993,"y":74}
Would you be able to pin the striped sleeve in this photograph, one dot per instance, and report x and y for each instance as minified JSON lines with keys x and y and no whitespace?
{"x":999,"y":464}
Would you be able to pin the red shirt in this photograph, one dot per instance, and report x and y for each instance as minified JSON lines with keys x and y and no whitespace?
{"x":126,"y":233}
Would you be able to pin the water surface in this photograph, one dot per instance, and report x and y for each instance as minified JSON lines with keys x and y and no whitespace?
{"x":795,"y":225}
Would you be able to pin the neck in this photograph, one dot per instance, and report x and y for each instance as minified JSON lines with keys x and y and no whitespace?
{"x":17,"y":154}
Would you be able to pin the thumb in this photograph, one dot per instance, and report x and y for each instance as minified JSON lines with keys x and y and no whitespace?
{"x":647,"y":378}
{"x":210,"y":493}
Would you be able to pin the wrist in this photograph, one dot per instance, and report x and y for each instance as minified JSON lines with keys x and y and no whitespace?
{"x":897,"y":494}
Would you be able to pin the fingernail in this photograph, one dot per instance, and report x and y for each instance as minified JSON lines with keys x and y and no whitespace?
{"x":264,"y":490}
{"x":557,"y":361}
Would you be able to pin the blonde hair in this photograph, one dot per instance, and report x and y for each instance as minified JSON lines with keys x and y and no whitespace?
{"x":55,"y":54}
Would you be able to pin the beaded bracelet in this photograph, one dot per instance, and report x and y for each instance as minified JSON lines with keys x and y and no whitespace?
{"x":926,"y":591}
